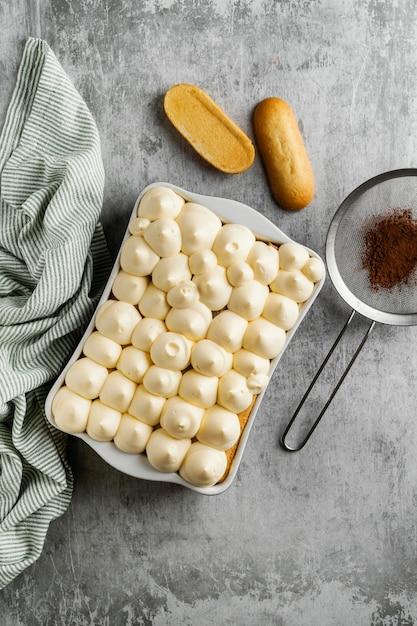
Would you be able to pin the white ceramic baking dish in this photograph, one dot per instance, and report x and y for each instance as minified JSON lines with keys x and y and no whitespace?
{"x":137,"y":465}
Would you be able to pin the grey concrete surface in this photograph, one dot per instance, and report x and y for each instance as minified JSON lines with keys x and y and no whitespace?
{"x":323,"y":537}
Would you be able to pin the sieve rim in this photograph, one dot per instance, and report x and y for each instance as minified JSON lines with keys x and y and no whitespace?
{"x":396,"y":319}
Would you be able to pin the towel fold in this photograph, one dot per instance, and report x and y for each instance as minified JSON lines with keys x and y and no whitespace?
{"x":53,"y":264}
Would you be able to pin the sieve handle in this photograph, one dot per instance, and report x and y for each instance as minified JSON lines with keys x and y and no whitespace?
{"x":307,"y":393}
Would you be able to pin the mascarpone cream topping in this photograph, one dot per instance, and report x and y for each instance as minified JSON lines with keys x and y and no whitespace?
{"x":264,"y":338}
{"x":292,"y":256}
{"x":128,"y":287}
{"x":160,"y":202}
{"x":86,"y":377}
{"x":210,"y":359}
{"x":281,"y":310}
{"x":138,"y":225}
{"x":171,"y":350}
{"x":248,"y":300}
{"x":214,"y":288}
{"x":293,"y":284}
{"x":313,"y":269}
{"x":199,"y":227}
{"x":132,"y":435}
{"x":146,"y":331}
{"x":198,"y":388}
{"x":161,"y":381}
{"x":154,"y":303}
{"x":248,"y":363}
{"x":103,"y":422}
{"x":193,"y":322}
{"x":233,"y":393}
{"x":239,"y":274}
{"x":264,"y":261}
{"x":70,"y":410}
{"x":219,"y":428}
{"x":164,"y":237}
{"x":202,"y":261}
{"x":137,"y":257}
{"x":203,"y":465}
{"x":180,"y":418}
{"x":171,"y":271}
{"x":117,"y":320}
{"x":146,"y":406}
{"x":166,"y":453}
{"x":117,"y":391}
{"x":232,"y":244}
{"x":133,"y":363}
{"x":257,"y":382}
{"x":183,"y":295}
{"x":227,"y":329}
{"x":102,"y":350}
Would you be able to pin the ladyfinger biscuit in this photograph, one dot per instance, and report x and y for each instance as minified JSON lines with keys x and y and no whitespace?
{"x":284,"y":155}
{"x":208,"y":129}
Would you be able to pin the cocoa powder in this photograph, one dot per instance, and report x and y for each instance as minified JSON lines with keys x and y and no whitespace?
{"x":390,"y":254}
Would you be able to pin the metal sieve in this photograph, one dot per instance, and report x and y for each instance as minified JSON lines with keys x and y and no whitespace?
{"x":344,"y":253}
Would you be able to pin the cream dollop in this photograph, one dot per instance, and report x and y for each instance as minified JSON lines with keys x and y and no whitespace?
{"x":86,"y":377}
{"x":70,"y":410}
{"x":293,"y":284}
{"x":138,"y":225}
{"x":248,"y":301}
{"x":137,"y":257}
{"x":248,"y":363}
{"x":117,"y":320}
{"x":180,"y":418}
{"x":214,"y":288}
{"x":203,"y":465}
{"x":164,"y":237}
{"x":133,"y":363}
{"x":103,"y":422}
{"x":101,"y":349}
{"x":257,"y":382}
{"x":132,"y":435}
{"x":227,"y":329}
{"x":171,"y":350}
{"x":264,"y":261}
{"x":219,"y":428}
{"x":202,"y":261}
{"x":161,"y":381}
{"x":154,"y":303}
{"x":233,"y":243}
{"x":193,"y":321}
{"x":146,"y":331}
{"x":166,"y":453}
{"x":281,"y":310}
{"x":183,"y":295}
{"x":239,"y":274}
{"x":198,"y":388}
{"x":171,"y":271}
{"x":264,"y":338}
{"x":292,"y":256}
{"x":233,"y":393}
{"x":128,"y":287}
{"x":199,"y":227}
{"x":210,"y":359}
{"x":159,"y":202}
{"x":313,"y":269}
{"x":117,"y":391}
{"x":146,"y":406}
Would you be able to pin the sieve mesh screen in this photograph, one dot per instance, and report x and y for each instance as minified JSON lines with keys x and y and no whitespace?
{"x":380,"y":197}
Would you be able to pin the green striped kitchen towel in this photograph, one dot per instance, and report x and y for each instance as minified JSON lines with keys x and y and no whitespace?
{"x":53,"y":262}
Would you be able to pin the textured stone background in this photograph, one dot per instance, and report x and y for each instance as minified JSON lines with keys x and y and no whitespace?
{"x":324,"y":537}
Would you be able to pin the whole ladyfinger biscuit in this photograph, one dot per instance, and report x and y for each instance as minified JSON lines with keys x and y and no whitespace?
{"x":284,"y":154}
{"x":208,"y":129}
